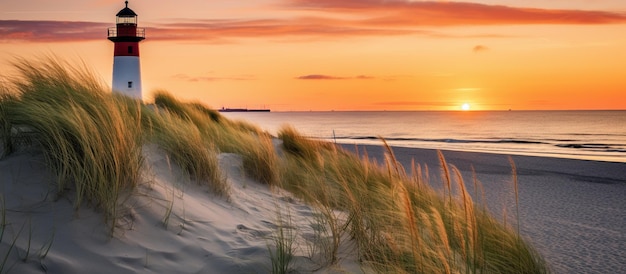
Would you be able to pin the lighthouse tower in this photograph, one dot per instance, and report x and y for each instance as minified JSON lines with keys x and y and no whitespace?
{"x":126,"y":68}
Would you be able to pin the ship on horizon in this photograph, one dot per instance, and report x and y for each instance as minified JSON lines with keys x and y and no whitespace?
{"x":224,"y":109}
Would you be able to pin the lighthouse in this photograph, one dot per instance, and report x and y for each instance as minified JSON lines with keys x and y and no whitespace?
{"x":126,"y":67}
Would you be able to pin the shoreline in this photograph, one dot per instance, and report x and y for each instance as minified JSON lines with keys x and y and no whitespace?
{"x":561,"y":134}
{"x":613,"y":172}
{"x":581,"y":157}
{"x":571,"y":210}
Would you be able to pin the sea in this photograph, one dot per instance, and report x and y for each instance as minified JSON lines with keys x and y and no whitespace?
{"x":587,"y":135}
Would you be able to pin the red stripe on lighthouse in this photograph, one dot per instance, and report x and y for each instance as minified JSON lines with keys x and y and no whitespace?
{"x":126,"y":49}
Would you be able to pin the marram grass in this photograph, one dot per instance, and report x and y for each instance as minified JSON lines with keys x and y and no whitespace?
{"x":90,"y":139}
{"x":184,"y":143}
{"x":396,"y":222}
{"x":401,"y":226}
{"x":254,"y":145}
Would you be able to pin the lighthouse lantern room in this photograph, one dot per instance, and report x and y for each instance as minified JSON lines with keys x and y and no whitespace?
{"x":126,"y":67}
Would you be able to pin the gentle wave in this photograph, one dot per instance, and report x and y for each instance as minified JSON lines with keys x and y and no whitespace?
{"x":593,"y":147}
{"x":445,"y":140}
{"x":584,"y":146}
{"x":597,"y":134}
{"x":589,"y":135}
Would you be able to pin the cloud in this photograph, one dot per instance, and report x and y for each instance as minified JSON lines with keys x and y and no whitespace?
{"x":213,"y":31}
{"x":480,"y":48}
{"x":222,"y":30}
{"x":189,"y":78}
{"x":443,"y":13}
{"x":327,"y":19}
{"x":319,"y":77}
{"x":329,"y":77}
{"x":51,"y":31}
{"x":414,"y":104}
{"x":380,"y":18}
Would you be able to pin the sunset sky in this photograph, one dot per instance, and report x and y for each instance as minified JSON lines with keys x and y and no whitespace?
{"x":346,"y":54}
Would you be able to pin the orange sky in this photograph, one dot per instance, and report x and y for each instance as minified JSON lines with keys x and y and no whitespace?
{"x":347,"y":54}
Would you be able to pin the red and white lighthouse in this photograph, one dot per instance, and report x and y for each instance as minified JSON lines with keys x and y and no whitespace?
{"x":126,"y":67}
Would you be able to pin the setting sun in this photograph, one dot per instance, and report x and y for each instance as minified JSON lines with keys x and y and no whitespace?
{"x":465,"y":106}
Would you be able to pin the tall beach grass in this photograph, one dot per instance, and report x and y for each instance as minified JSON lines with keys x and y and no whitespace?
{"x":247,"y":140}
{"x":92,"y":140}
{"x":401,"y":226}
{"x":186,"y":146}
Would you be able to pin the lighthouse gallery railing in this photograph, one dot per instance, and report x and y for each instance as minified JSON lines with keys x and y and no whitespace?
{"x":141,"y":32}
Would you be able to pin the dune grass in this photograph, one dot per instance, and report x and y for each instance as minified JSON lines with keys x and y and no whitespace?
{"x":282,"y":244}
{"x":186,"y":146}
{"x":401,"y":226}
{"x":254,"y":145}
{"x":92,"y":140}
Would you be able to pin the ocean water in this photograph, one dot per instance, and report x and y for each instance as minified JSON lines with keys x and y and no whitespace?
{"x":589,"y":135}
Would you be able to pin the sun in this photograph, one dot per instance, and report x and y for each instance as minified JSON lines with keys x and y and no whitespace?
{"x":465,"y":106}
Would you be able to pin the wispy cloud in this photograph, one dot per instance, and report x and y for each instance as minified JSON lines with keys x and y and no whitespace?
{"x":414,"y":104}
{"x":190,"y":78}
{"x":51,"y":31}
{"x":329,"y":77}
{"x":221,"y":30}
{"x":212,"y":31}
{"x":480,"y":48}
{"x":358,"y":18}
{"x":379,"y":18}
{"x":319,"y":77}
{"x":444,"y":13}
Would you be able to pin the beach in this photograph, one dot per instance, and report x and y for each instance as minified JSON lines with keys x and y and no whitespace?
{"x":572,"y":211}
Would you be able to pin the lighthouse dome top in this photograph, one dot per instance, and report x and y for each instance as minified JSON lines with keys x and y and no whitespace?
{"x":126,"y":12}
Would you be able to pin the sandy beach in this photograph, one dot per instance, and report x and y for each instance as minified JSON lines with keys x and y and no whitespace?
{"x":572,"y":211}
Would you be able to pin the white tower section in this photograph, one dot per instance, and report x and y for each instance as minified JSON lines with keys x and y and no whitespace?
{"x":127,"y":76}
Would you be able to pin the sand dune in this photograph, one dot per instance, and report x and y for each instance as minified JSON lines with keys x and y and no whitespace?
{"x":169,"y":225}
{"x":573,"y":211}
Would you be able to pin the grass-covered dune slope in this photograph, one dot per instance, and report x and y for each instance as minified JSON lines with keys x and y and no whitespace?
{"x":383,"y":218}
